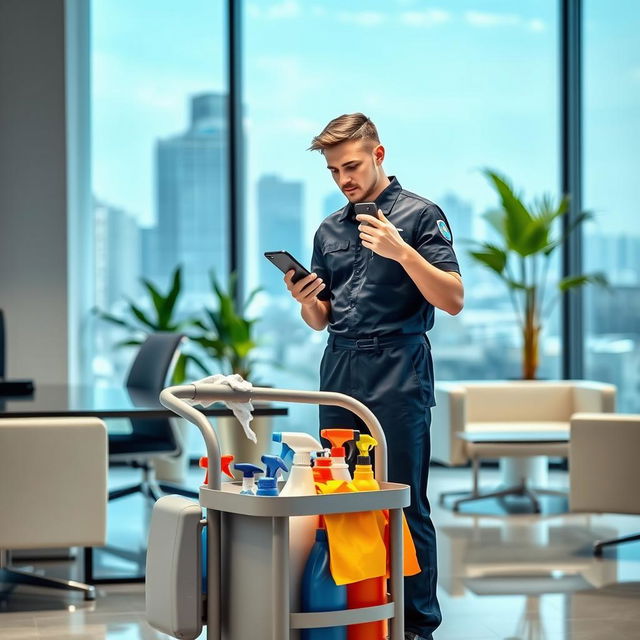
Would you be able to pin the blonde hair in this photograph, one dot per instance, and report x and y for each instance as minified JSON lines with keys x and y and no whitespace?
{"x":349,"y":126}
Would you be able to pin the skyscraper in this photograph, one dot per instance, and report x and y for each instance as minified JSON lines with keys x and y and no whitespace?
{"x":191,"y":179}
{"x":280,"y":226}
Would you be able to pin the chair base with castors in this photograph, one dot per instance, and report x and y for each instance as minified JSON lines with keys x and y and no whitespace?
{"x":601,"y":544}
{"x":14,"y":577}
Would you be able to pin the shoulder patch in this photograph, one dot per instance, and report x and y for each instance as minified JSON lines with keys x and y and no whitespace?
{"x":444,"y":230}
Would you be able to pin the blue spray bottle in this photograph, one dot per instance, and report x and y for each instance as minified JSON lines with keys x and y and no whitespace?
{"x":267,"y":486}
{"x":320,"y":592}
{"x":248,"y":470}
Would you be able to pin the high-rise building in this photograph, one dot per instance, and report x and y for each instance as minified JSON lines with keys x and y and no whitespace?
{"x":117,"y":254}
{"x":191,"y":179}
{"x":279,"y":225}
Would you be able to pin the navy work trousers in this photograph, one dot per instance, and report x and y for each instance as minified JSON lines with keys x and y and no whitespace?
{"x":394,"y":380}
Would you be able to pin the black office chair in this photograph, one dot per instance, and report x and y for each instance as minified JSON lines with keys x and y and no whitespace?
{"x":2,"y":356}
{"x":149,"y":437}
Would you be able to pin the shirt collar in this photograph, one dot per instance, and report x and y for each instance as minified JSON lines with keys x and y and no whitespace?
{"x":384,"y":201}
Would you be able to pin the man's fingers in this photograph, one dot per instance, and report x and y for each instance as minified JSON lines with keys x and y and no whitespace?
{"x":311,"y":291}
{"x":371,"y":220}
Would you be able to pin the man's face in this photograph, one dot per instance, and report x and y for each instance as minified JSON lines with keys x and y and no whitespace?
{"x":356,"y":168}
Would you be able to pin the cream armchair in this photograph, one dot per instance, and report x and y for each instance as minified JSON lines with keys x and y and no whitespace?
{"x":506,"y":411}
{"x":604,"y":474}
{"x":53,"y":490}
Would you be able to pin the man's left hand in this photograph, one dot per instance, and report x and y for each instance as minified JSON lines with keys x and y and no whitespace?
{"x":379,"y":235}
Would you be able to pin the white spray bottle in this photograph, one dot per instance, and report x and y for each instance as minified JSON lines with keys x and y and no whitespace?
{"x":302,"y":529}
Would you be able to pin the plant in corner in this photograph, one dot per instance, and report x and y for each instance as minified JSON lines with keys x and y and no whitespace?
{"x":159,"y":317}
{"x":226,"y":333}
{"x":527,"y":239}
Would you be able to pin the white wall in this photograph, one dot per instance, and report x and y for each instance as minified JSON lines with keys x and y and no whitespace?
{"x":33,"y":199}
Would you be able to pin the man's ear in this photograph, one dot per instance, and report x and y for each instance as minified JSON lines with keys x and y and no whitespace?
{"x":378,"y":154}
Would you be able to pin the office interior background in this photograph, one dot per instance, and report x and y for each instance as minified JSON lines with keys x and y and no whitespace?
{"x":137,"y":137}
{"x":147,"y":156}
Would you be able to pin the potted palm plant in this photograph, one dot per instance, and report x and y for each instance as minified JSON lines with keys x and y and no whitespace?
{"x":159,"y":314}
{"x":528,"y":237}
{"x":226,"y":335}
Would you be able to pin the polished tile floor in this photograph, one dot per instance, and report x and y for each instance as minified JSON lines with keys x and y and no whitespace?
{"x":510,"y":576}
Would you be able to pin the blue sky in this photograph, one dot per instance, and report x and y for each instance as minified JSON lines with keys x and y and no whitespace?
{"x":453,"y":86}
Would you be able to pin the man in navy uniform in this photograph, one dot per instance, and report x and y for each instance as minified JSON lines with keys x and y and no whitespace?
{"x":375,"y":283}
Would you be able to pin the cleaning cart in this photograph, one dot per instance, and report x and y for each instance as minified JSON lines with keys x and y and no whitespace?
{"x":246,"y":591}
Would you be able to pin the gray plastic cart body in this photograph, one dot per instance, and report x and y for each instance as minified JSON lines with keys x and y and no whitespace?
{"x":248,"y":536}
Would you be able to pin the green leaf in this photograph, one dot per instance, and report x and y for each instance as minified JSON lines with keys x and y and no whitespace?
{"x":573,"y":282}
{"x":491,"y":256}
{"x":517,"y":217}
{"x":139,"y":314}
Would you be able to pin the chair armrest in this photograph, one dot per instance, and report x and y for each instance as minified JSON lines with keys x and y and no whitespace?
{"x":448,"y":418}
{"x":603,"y":468}
{"x":590,"y":396}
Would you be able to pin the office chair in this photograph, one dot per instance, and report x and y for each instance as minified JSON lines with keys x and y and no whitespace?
{"x":149,"y":437}
{"x":2,"y":348}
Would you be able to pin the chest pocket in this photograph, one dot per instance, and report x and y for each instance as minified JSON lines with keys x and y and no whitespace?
{"x":383,"y":270}
{"x":337,"y":258}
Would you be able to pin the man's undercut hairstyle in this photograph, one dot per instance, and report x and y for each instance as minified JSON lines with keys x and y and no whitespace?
{"x":349,"y":126}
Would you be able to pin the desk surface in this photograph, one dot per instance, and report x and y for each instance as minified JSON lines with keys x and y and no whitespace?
{"x":102,"y":402}
{"x":514,"y":437}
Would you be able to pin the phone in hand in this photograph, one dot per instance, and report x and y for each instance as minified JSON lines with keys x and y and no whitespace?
{"x":286,"y":262}
{"x":368,"y":208}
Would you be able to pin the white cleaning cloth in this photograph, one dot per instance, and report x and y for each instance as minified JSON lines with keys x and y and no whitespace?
{"x":241,"y":410}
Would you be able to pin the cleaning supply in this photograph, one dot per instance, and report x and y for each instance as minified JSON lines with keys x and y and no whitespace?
{"x":273,"y":464}
{"x":320,"y":592}
{"x":337,"y":438}
{"x":300,"y":482}
{"x":322,"y":470}
{"x":356,"y":546}
{"x":248,"y":471}
{"x":373,"y":591}
{"x":363,"y":475}
{"x":225,"y":467}
{"x":225,"y":463}
{"x":302,"y":529}
{"x":268,"y":486}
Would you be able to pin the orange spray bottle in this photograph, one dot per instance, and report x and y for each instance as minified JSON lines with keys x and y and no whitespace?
{"x":337,"y":438}
{"x":371,"y":592}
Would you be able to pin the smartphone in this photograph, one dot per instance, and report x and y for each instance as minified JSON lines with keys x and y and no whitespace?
{"x":286,"y":262}
{"x":366,"y":207}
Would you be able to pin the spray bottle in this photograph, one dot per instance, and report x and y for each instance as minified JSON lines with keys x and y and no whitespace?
{"x":337,"y":438}
{"x":225,"y":463}
{"x":371,"y":592}
{"x":267,"y":486}
{"x":363,"y":475}
{"x":322,"y":470}
{"x":302,"y":529}
{"x":248,"y":470}
{"x":225,"y":466}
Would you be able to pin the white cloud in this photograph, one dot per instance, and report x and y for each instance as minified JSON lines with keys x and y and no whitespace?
{"x":362,"y":18}
{"x":284,"y":10}
{"x":482,"y":19}
{"x":488,"y":20}
{"x":428,"y":18}
{"x":537,"y":25}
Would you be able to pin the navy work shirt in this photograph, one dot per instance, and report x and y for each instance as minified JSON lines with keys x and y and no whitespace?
{"x":371,"y":295}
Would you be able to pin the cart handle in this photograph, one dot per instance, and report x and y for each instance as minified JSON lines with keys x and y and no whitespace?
{"x":175,"y":397}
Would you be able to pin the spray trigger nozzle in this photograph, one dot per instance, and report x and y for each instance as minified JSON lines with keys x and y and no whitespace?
{"x":247,"y":469}
{"x":273,"y":464}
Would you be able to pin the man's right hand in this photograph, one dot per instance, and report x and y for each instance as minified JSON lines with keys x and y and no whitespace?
{"x":305,"y":290}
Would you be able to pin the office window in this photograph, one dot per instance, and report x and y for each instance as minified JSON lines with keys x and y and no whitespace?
{"x":159,"y":158}
{"x":612,"y":193}
{"x":454,"y":89}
